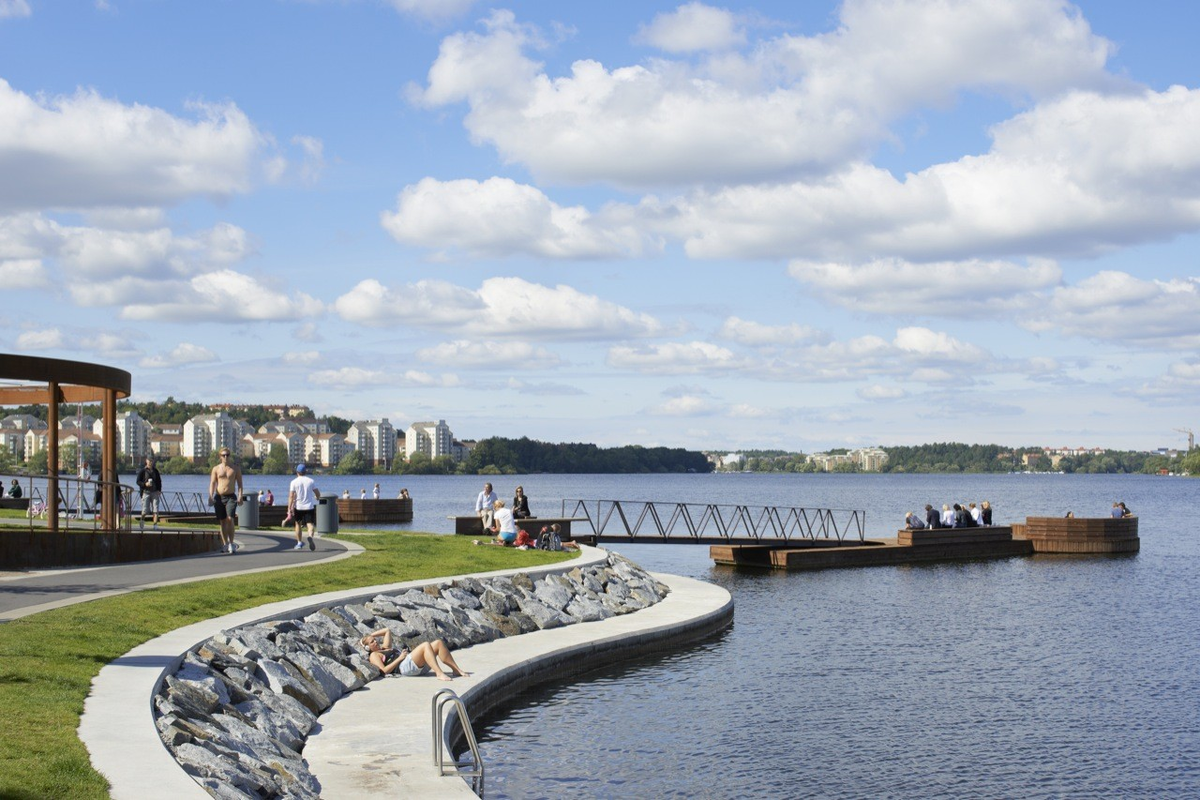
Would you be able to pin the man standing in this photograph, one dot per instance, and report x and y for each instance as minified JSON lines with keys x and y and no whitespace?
{"x":302,"y":505}
{"x":149,"y":481}
{"x":484,"y":505}
{"x":224,"y":491}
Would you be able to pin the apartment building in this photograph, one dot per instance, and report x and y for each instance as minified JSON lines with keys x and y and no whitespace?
{"x":375,"y":439}
{"x":204,"y":433}
{"x":432,"y":439}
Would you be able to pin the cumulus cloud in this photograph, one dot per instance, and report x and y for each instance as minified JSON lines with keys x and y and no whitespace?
{"x":222,"y":295}
{"x":792,"y":105}
{"x":687,"y":406}
{"x":754,"y":334}
{"x":690,"y":28}
{"x":501,"y":307}
{"x":500,"y":217}
{"x":1116,"y":306}
{"x":675,"y":358}
{"x":45,"y":339}
{"x":14,"y":8}
{"x":84,"y":151}
{"x":350,"y":377}
{"x":1180,"y":383}
{"x":489,"y":355}
{"x":23,"y":273}
{"x":879,"y":392}
{"x":303,"y":358}
{"x":970,"y":288}
{"x":182,"y":355}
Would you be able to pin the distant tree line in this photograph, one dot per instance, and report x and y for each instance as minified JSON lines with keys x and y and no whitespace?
{"x":510,"y":456}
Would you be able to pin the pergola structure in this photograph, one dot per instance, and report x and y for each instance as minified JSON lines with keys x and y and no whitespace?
{"x":53,"y":381}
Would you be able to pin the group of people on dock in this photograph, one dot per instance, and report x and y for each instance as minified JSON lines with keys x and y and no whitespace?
{"x":960,"y":515}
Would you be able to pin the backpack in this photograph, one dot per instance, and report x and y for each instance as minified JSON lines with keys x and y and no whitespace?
{"x":549,"y":540}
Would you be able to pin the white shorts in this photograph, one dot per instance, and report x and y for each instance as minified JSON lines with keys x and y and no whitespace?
{"x":410,"y":670}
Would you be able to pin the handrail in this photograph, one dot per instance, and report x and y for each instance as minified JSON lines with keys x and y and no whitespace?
{"x":475,"y":772}
{"x":657,"y":521}
{"x":76,"y":497}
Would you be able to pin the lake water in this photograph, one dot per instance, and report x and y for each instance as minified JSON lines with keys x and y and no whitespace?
{"x":1050,"y":676}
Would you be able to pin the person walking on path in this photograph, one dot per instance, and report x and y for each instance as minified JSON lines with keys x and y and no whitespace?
{"x":485,"y":506}
{"x":302,"y":506}
{"x":224,"y":492}
{"x":149,"y":481}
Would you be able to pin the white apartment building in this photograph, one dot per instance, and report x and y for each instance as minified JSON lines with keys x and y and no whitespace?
{"x":326,"y":449}
{"x":432,"y":439}
{"x":375,"y":439}
{"x":204,"y":433}
{"x":133,"y":434}
{"x":870,"y":459}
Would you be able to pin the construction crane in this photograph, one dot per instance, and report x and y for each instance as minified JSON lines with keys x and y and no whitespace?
{"x":1191,"y":437}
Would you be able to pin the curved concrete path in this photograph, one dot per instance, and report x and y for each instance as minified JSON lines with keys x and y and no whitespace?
{"x":118,"y":730}
{"x":24,"y":593}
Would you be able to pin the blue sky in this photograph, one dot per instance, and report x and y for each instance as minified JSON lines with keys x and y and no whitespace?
{"x":747,"y":225}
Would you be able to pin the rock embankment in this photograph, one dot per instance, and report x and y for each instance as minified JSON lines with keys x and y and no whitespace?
{"x":236,"y":712}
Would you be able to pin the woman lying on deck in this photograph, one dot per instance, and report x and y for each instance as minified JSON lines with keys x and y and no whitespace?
{"x":420,"y":661}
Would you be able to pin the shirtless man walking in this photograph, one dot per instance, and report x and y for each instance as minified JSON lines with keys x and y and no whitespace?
{"x":224,"y":489}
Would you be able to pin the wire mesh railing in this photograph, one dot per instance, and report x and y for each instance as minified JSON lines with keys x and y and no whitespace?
{"x":713,"y":523}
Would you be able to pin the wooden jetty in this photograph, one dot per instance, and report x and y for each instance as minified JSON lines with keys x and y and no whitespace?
{"x":1035,"y":535}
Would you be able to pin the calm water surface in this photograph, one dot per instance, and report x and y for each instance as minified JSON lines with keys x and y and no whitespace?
{"x":1050,"y":676}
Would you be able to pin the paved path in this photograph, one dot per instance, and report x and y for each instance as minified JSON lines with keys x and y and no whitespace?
{"x":24,"y":593}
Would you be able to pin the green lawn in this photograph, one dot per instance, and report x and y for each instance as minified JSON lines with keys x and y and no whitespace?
{"x":48,"y":660}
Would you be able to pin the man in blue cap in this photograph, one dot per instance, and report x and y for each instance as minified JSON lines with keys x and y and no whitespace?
{"x":302,"y":506}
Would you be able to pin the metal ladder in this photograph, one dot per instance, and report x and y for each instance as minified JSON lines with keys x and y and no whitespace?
{"x":444,"y":762}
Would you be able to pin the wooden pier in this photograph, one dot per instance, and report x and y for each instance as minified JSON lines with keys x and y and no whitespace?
{"x":1035,"y":535}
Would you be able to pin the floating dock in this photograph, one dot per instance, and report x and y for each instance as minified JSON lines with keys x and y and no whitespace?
{"x":1035,"y":535}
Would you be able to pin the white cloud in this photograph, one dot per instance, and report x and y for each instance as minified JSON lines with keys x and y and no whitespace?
{"x":85,"y":151}
{"x":489,"y":355}
{"x":223,"y":295}
{"x":45,"y":339}
{"x":971,"y":288}
{"x":1116,"y":306}
{"x":544,"y":389}
{"x":754,"y":334}
{"x":313,"y":163}
{"x":14,"y":8}
{"x":674,"y":358}
{"x":23,"y":273}
{"x":302,"y":358}
{"x":688,"y":406}
{"x":501,"y":307}
{"x":182,"y":355}
{"x":350,"y":378}
{"x":692,"y":27}
{"x":880,"y":392}
{"x":923,"y":343}
{"x":792,"y":105}
{"x":500,"y":217}
{"x":433,"y":10}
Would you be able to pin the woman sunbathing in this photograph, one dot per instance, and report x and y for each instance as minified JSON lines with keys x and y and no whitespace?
{"x":421,"y":660}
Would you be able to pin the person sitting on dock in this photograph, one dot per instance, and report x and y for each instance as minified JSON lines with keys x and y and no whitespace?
{"x":14,"y":490}
{"x":421,"y":660}
{"x":520,"y":507}
{"x":1117,"y":512}
{"x":973,"y":510}
{"x":1125,"y":512}
{"x":985,"y":514}
{"x":912,"y":522}
{"x":947,"y":516}
{"x":403,"y":495}
{"x":933,"y":519}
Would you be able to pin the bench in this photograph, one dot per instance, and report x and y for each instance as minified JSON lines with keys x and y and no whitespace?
{"x":471,"y":526}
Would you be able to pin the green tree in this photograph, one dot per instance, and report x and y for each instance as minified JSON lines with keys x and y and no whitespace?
{"x":352,"y":463}
{"x":276,"y":462}
{"x":36,"y":465}
{"x":8,"y":461}
{"x":178,"y":465}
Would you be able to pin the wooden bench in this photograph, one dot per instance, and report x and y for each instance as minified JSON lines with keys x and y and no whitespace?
{"x":470,"y":526}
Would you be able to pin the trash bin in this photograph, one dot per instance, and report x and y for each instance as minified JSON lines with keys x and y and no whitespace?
{"x":327,"y":515}
{"x":247,"y":512}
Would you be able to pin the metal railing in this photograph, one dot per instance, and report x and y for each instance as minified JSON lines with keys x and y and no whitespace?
{"x":77,"y":502}
{"x":647,"y":521}
{"x":472,"y":769}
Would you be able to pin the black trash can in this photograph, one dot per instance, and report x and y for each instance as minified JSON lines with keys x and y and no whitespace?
{"x":327,"y":515}
{"x":247,"y":512}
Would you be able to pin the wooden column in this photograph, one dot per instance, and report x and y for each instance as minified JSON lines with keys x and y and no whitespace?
{"x":52,"y":458}
{"x":108,"y":462}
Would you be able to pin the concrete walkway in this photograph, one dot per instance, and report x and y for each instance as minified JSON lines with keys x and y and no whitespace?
{"x":393,"y":754}
{"x":24,"y":593}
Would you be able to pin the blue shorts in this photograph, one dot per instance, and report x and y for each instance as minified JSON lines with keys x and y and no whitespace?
{"x":508,"y":538}
{"x":410,"y":670}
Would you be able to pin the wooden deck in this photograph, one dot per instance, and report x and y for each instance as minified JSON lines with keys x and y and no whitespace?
{"x":1035,"y":535}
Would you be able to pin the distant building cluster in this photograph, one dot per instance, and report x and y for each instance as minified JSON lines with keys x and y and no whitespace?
{"x":867,"y":459}
{"x":305,"y":439}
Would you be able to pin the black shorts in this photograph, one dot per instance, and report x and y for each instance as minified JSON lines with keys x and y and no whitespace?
{"x":306,"y":516}
{"x":225,"y":506}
